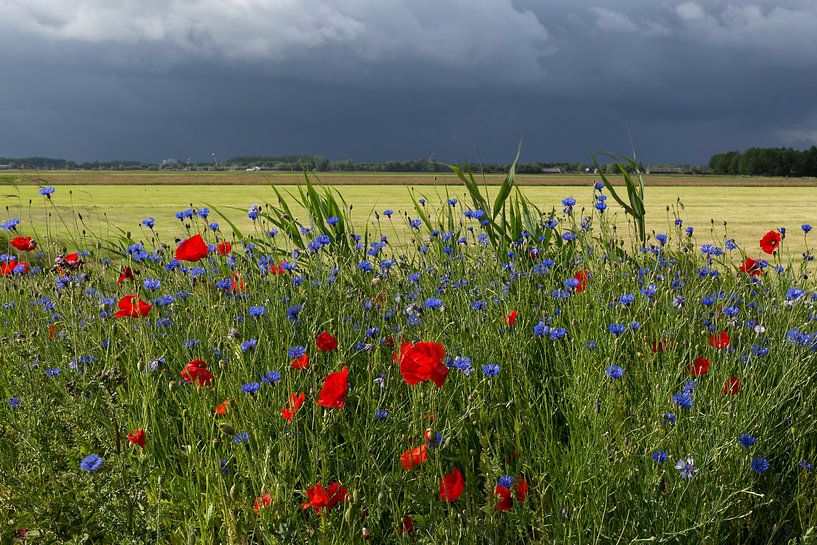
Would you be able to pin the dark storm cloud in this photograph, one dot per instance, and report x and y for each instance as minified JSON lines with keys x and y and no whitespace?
{"x":389,"y":79}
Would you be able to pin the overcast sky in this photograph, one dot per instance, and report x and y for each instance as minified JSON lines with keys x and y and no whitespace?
{"x":404,"y":79}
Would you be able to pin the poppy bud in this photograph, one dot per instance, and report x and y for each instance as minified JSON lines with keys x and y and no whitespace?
{"x":226,"y":428}
{"x":366,"y":534}
{"x":376,"y":281}
{"x":234,"y":492}
{"x":347,"y":515}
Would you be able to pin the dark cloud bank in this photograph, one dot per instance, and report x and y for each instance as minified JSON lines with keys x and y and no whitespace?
{"x":389,"y":79}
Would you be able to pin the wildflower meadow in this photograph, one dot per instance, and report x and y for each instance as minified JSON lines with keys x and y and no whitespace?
{"x":471,"y":370}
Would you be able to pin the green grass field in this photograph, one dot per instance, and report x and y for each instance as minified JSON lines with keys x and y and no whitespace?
{"x":748,"y":211}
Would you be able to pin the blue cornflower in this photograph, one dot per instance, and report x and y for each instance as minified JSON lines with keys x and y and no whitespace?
{"x":333,"y":220}
{"x":490,"y":369}
{"x":541,"y":329}
{"x":452,"y":202}
{"x":617,"y":329}
{"x":149,"y":222}
{"x":152,"y":284}
{"x":760,"y":464}
{"x":14,"y":402}
{"x":250,"y":387}
{"x":569,"y":202}
{"x":248,"y":345}
{"x":47,"y":191}
{"x":271,"y":377}
{"x":296,"y":351}
{"x":661,"y":238}
{"x":557,"y":333}
{"x":626,"y":299}
{"x":92,"y":462}
{"x":433,"y":303}
{"x":506,"y":481}
{"x":381,"y":414}
{"x":258,"y":311}
{"x":668,"y":418}
{"x":214,"y":226}
{"x":241,"y":437}
{"x":9,"y":224}
{"x":293,"y":311}
{"x":746,"y":439}
{"x":686,"y":468}
{"x":52,"y":371}
{"x":805,"y":227}
{"x":659,"y":456}
{"x":614,"y":372}
{"x":184,"y":214}
{"x":683,"y":399}
{"x":806,"y":465}
{"x":203,"y":212}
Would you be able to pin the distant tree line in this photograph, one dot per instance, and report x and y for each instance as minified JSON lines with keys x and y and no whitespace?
{"x":318,"y":163}
{"x":766,"y":162}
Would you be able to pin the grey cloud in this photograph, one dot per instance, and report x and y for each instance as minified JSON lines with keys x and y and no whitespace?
{"x":397,"y":79}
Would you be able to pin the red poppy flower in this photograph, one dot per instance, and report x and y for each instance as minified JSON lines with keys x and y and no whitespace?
{"x":137,"y":438}
{"x":423,"y":361}
{"x":72,"y":260}
{"x":731,"y":386}
{"x":193,"y":249}
{"x":583,"y":277}
{"x":658,"y":346}
{"x":224,"y":248}
{"x":407,"y":525}
{"x":24,"y":244}
{"x":222,"y":408}
{"x":335,"y":386}
{"x":320,"y":497}
{"x":414,"y":457}
{"x":751,"y":267}
{"x":8,"y":267}
{"x":264,"y":500}
{"x":699,"y":367}
{"x":196,"y":371}
{"x":452,"y":486}
{"x":521,"y":490}
{"x":277,"y":269}
{"x":326,"y":342}
{"x":404,"y":346}
{"x":770,"y":242}
{"x":510,"y":318}
{"x":53,"y":331}
{"x":295,"y":402}
{"x":301,"y":362}
{"x":719,"y":340}
{"x":127,"y":274}
{"x":237,"y":283}
{"x":130,"y":306}
{"x":505,"y":502}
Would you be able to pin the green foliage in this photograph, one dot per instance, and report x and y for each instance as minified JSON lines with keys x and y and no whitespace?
{"x":583,"y":441}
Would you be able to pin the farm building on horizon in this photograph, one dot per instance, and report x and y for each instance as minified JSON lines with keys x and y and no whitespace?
{"x":4,"y":167}
{"x":551,"y":170}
